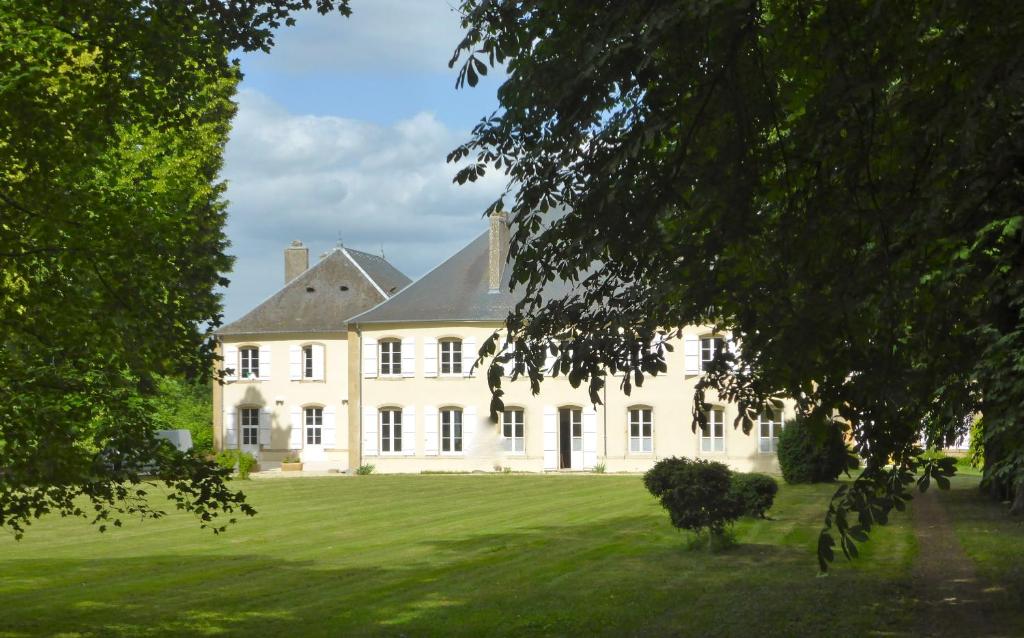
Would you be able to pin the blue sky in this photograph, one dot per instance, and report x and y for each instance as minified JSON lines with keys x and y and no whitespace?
{"x":342,"y":131}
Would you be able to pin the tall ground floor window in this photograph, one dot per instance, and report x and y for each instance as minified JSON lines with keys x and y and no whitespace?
{"x":451,"y":430}
{"x":390,"y":430}
{"x":250,"y":424}
{"x":641,"y":425}
{"x":712,"y":434}
{"x":769,"y":425}
{"x":314,"y":426}
{"x":512,"y":431}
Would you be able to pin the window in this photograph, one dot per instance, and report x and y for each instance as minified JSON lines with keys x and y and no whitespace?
{"x":712,"y":434}
{"x":307,"y":362}
{"x":769,"y":425}
{"x":250,"y":421}
{"x":314,"y":426}
{"x":451,"y":356}
{"x":391,"y":357}
{"x":250,"y":362}
{"x":390,"y":430}
{"x":512,"y":431}
{"x":709,"y":347}
{"x":640,"y":430}
{"x":451,"y":430}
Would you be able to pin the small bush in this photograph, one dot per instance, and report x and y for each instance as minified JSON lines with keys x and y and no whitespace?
{"x":600,"y":468}
{"x":754,"y":492}
{"x":696,"y":494}
{"x":291,"y":458}
{"x":363,"y":470}
{"x":814,"y":452}
{"x":242,"y":462}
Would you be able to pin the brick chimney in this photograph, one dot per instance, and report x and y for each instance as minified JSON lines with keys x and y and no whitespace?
{"x":296,"y":260}
{"x":498,"y":250}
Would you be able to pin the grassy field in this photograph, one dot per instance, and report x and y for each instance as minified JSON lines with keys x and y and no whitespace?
{"x":500,"y":555}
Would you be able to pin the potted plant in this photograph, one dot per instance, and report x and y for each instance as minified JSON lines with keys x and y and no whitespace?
{"x":291,"y":463}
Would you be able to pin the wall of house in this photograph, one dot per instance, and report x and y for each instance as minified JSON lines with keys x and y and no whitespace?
{"x":281,"y":398}
{"x":420,"y":397}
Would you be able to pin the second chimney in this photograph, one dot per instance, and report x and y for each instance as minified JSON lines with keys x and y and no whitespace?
{"x":497,"y":250}
{"x":296,"y":260}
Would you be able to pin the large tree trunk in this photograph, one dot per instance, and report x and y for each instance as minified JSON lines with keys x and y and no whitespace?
{"x":1017,"y":509}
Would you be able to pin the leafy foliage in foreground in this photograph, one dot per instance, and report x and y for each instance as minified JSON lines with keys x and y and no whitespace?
{"x":113,"y":119}
{"x":836,"y":184}
{"x":814,"y":452}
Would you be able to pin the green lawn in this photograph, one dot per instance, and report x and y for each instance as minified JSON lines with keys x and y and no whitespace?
{"x":450,"y":555}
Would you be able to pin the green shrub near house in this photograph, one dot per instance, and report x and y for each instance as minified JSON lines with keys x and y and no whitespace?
{"x":243,"y":462}
{"x":696,"y":493}
{"x":755,"y":493}
{"x":814,"y":452}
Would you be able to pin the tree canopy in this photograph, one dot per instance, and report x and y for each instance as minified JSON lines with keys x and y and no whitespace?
{"x":838,"y":184}
{"x":113,"y":119}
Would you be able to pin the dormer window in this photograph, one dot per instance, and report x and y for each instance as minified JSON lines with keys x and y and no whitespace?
{"x":249,"y":360}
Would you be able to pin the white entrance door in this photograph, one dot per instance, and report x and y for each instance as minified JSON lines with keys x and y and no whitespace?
{"x":250,"y":431}
{"x":313,"y":435}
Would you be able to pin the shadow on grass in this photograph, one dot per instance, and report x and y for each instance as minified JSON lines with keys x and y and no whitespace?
{"x":617,"y":578}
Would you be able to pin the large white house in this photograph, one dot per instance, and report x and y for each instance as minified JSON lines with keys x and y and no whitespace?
{"x":344,"y":384}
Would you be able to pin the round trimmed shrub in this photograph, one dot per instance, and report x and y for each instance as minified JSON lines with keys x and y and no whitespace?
{"x":755,"y":493}
{"x":814,"y":452}
{"x":696,"y":493}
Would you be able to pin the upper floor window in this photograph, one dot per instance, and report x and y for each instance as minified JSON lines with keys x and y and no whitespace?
{"x":710,"y":347}
{"x":314,"y":426}
{"x":391,"y":357}
{"x":451,"y":430}
{"x":451,"y":356}
{"x":641,"y":426}
{"x":512,"y":431}
{"x":769,"y":425}
{"x":307,"y":362}
{"x":249,"y":362}
{"x":712,"y":433}
{"x":390,"y":430}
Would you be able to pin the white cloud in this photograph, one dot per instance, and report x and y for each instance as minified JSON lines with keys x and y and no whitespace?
{"x":312,"y":177}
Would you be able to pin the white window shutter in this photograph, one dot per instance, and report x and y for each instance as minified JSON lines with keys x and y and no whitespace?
{"x":231,"y":362}
{"x":369,"y":430}
{"x":295,"y":363}
{"x":510,"y":365}
{"x":430,"y":443}
{"x":230,"y":429}
{"x":468,"y":356}
{"x":295,"y":433}
{"x":318,"y":361}
{"x":409,"y":357}
{"x":264,"y":425}
{"x":589,"y":438}
{"x":734,"y":350}
{"x":265,"y":355}
{"x":468,"y":429}
{"x":549,"y":361}
{"x":429,"y":357}
{"x":409,"y":431}
{"x":369,"y":358}
{"x":550,"y":438}
{"x":330,"y":430}
{"x":691,"y":353}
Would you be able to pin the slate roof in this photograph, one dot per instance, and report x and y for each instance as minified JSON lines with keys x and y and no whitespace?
{"x":315,"y":302}
{"x":455,"y":290}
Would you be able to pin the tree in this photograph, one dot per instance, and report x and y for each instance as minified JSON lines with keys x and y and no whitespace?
{"x":180,"y":404}
{"x":113,"y":119}
{"x":836,"y":183}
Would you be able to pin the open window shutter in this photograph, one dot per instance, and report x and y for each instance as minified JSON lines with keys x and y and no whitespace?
{"x":468,"y":429}
{"x":330,"y":427}
{"x":409,"y":431}
{"x":369,"y":358}
{"x":295,"y":433}
{"x":589,"y":438}
{"x":468,"y":356}
{"x":549,"y":361}
{"x":231,"y":362}
{"x":295,"y":363}
{"x":369,"y":430}
{"x":734,"y":350}
{"x":550,"y":438}
{"x":691,"y":353}
{"x":230,"y":429}
{"x":264,"y":425}
{"x":429,"y":357}
{"x":409,"y":357}
{"x":510,"y":365}
{"x":265,"y":355}
{"x":318,"y":362}
{"x":430,"y":430}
